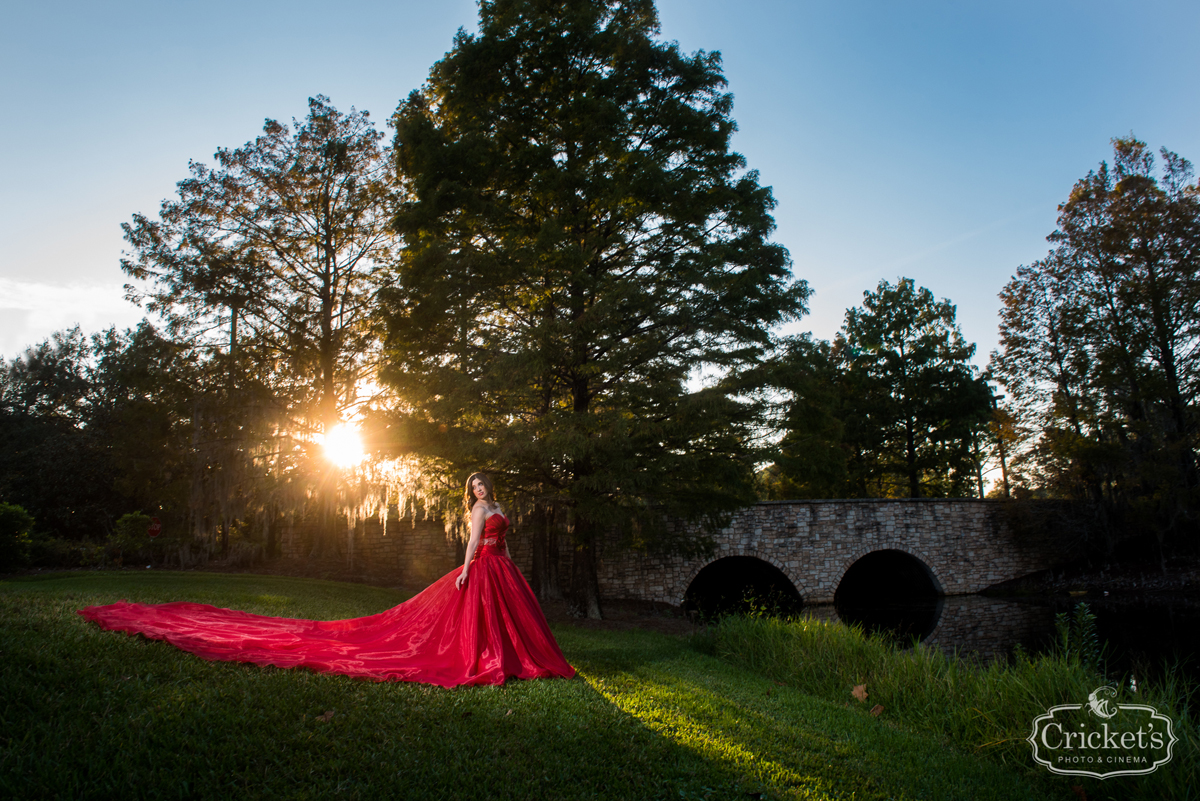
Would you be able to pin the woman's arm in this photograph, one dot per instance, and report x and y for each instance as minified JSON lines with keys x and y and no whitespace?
{"x":477,"y":516}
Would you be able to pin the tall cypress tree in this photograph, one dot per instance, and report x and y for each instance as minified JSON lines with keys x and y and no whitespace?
{"x":918,"y":403}
{"x":273,"y":257}
{"x":1100,"y":348}
{"x":588,"y":283}
{"x":891,"y":408}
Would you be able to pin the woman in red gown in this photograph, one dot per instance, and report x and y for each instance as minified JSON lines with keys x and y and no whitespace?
{"x":478,"y":624}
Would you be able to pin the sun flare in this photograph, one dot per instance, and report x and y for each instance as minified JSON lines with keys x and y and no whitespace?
{"x":343,"y":446}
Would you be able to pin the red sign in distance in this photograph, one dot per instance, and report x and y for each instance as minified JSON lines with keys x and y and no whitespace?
{"x":155,"y":527}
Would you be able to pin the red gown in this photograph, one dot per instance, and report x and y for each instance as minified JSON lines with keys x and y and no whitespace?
{"x":489,"y":631}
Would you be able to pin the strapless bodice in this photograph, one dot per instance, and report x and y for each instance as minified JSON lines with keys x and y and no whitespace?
{"x":494,"y":530}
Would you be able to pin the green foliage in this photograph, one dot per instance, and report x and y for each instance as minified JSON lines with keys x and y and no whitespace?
{"x":815,"y":455}
{"x":149,"y":392}
{"x":1078,"y":639}
{"x":53,"y":462}
{"x":16,"y":528}
{"x":919,"y":403}
{"x":582,"y":243}
{"x":278,"y":249}
{"x":1099,"y":349}
{"x":265,"y":267}
{"x":90,"y":429}
{"x":58,"y":553}
{"x":891,"y":408}
{"x":648,"y":717}
{"x":130,"y":538}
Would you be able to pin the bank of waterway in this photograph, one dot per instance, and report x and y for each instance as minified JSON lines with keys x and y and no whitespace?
{"x":1145,"y":636}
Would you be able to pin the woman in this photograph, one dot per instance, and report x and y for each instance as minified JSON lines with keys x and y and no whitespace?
{"x":478,"y":624}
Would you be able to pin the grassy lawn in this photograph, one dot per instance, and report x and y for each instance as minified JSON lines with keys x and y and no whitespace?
{"x":94,"y":714}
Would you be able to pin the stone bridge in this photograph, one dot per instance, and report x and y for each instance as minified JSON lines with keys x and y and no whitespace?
{"x":961,"y":545}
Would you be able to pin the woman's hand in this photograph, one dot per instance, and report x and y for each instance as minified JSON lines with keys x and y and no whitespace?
{"x":461,"y":580}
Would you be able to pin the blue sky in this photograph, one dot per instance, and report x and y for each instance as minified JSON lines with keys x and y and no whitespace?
{"x":919,"y":139}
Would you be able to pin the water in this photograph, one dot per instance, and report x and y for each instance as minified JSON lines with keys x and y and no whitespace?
{"x":1143,"y":636}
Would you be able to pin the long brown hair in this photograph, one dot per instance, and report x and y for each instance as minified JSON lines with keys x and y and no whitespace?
{"x":469,"y":498}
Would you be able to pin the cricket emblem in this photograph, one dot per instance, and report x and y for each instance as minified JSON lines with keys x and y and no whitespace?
{"x":1098,"y":701}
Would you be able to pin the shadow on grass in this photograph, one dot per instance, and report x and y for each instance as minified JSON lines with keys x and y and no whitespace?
{"x":791,"y":743}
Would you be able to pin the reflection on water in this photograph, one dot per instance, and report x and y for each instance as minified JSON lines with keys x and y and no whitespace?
{"x":904,"y":622}
{"x":1141,"y":635}
{"x":975,"y":626}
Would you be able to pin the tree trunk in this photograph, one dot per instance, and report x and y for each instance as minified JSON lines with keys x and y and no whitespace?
{"x":551,"y":583}
{"x":537,"y":544}
{"x":271,"y":533}
{"x":1004,"y":467}
{"x":910,"y":454}
{"x":325,"y":539}
{"x":545,"y":582}
{"x":585,"y":583}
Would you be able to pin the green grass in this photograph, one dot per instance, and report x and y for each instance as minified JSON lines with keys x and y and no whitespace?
{"x":87,"y":713}
{"x":988,"y":710}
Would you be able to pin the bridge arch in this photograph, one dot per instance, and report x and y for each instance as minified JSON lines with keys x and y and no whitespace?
{"x":719,"y":585}
{"x":928,"y":566}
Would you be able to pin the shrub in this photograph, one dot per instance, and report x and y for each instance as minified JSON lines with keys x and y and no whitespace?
{"x":129,"y":538}
{"x":54,"y":552}
{"x":130,"y":543}
{"x":16,"y":532}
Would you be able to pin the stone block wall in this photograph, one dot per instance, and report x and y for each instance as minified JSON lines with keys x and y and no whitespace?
{"x":411,"y":552}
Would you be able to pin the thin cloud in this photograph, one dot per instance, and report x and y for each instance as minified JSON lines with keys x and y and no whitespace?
{"x":949,"y":243}
{"x":31,"y":311}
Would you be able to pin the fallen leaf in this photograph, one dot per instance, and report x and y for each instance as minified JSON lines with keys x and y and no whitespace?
{"x":467,"y":715}
{"x":509,"y":712}
{"x":326,"y":717}
{"x":877,"y":709}
{"x":860,"y":692}
{"x":1079,"y":791}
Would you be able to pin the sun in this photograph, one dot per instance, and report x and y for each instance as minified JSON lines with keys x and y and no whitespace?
{"x":343,"y":446}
